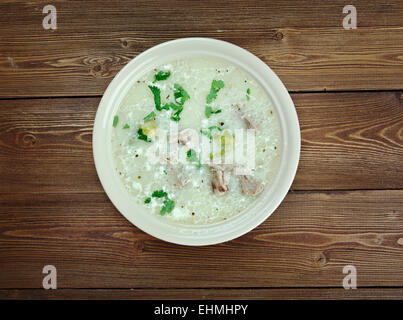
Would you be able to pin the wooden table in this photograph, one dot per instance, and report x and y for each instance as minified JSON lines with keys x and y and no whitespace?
{"x":346,"y":203}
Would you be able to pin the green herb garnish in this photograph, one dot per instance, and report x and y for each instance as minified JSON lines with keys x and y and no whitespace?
{"x":214,"y":127}
{"x":142,"y":136}
{"x":126,"y":126}
{"x":174,"y":106}
{"x":115,"y":121}
{"x":178,"y":108}
{"x":191,"y":156}
{"x":176,"y":116}
{"x":159,"y":194}
{"x":149,"y":116}
{"x":180,"y":94}
{"x":167,"y":106}
{"x":161,"y":75}
{"x":167,"y":207}
{"x":208,"y":132}
{"x":247,"y":94}
{"x":216,"y":86}
{"x":209,"y":111}
{"x":157,"y":97}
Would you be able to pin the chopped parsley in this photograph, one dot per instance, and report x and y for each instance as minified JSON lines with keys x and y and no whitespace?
{"x":174,"y":106}
{"x":157,"y":97}
{"x":149,"y":116}
{"x":216,"y":86}
{"x":115,"y":121}
{"x":167,"y":106}
{"x":178,"y":108}
{"x":208,"y":132}
{"x":191,"y":156}
{"x":126,"y":126}
{"x":161,"y":75}
{"x":209,"y":111}
{"x":176,"y":116}
{"x":167,"y":205}
{"x":159,"y":194}
{"x":247,"y":94}
{"x":214,"y":127}
{"x":180,"y":94}
{"x":142,"y":136}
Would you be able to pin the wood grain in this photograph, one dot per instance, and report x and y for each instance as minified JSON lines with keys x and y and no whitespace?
{"x":143,"y":15}
{"x":305,"y":243}
{"x":207,"y":294}
{"x":349,"y":141}
{"x":307,"y":48}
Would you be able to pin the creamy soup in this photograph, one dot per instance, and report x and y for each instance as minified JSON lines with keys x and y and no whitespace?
{"x":221,"y":104}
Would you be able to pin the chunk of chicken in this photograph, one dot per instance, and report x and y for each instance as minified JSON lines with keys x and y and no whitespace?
{"x":220,"y":180}
{"x":249,"y":186}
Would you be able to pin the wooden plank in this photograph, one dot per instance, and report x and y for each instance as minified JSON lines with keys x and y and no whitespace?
{"x":303,"y":42}
{"x":206,"y":294}
{"x":305,"y":243}
{"x":349,"y":141}
{"x":47,"y":145}
{"x":175,"y":15}
{"x":310,"y":59}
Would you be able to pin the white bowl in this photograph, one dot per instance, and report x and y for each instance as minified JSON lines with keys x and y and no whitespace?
{"x":264,"y":205}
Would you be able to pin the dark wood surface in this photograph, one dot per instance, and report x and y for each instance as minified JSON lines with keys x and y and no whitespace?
{"x":345,"y":205}
{"x":303,"y":41}
{"x":305,"y":243}
{"x":210,"y":294}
